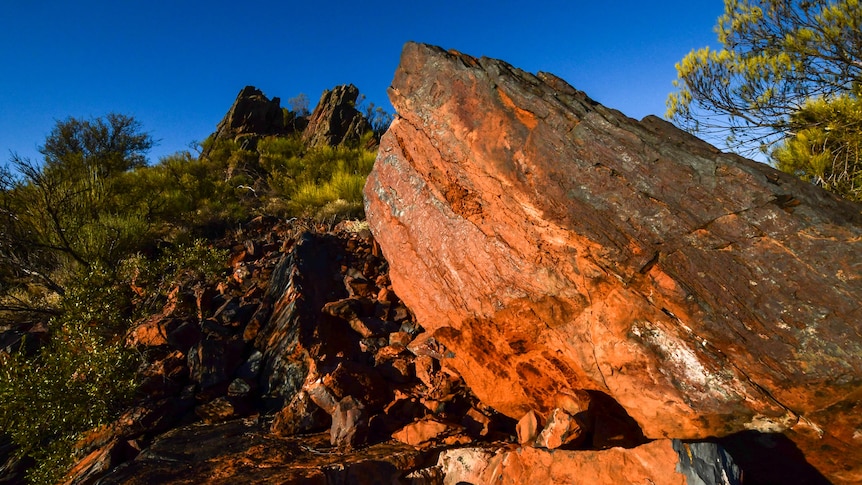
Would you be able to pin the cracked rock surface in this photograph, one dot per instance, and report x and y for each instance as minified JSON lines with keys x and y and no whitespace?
{"x":553,"y":245}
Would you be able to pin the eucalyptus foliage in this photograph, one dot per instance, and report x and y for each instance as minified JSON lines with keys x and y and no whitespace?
{"x":828,"y":150}
{"x":775,"y":56}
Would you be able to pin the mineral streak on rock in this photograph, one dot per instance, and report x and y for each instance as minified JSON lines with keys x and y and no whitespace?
{"x":554,"y":245}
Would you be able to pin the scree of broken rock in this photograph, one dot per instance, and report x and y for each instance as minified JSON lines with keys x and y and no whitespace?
{"x":555,"y":245}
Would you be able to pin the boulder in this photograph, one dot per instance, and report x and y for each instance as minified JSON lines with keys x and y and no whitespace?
{"x":421,"y":432}
{"x":300,"y":286}
{"x":336,"y":121}
{"x":562,"y":429}
{"x":527,"y":428}
{"x":240,"y":451}
{"x":554,"y":245}
{"x":300,"y":415}
{"x":349,"y":424}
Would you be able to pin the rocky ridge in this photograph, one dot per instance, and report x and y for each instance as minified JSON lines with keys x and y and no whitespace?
{"x":335,"y":120}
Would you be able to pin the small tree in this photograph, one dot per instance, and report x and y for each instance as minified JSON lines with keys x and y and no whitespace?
{"x":299,"y":104}
{"x":775,"y":56}
{"x":377,"y":117}
{"x":69,"y":211}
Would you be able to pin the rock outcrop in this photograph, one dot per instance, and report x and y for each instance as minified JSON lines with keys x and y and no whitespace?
{"x":303,"y":336}
{"x":253,"y":116}
{"x":336,"y":121}
{"x":552,"y":245}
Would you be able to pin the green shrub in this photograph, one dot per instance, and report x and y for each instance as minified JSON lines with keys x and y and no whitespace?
{"x":84,"y":377}
{"x":81,"y":379}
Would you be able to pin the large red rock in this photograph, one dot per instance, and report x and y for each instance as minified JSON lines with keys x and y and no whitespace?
{"x":553,"y":245}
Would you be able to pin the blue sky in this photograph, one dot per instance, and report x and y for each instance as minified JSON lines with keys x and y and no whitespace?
{"x":177,"y":65}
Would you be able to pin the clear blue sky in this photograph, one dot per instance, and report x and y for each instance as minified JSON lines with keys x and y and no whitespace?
{"x":177,"y":65}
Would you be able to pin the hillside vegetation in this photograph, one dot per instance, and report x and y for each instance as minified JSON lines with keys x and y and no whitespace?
{"x":92,"y":238}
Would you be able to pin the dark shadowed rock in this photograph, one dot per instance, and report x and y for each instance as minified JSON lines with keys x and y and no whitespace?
{"x":300,"y":415}
{"x":252,"y":114}
{"x":349,"y":424}
{"x":12,"y":467}
{"x":554,"y":245}
{"x":300,"y":286}
{"x":243,"y":452}
{"x":336,"y":121}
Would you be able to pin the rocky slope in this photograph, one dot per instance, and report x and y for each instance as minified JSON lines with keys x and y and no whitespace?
{"x":305,"y":367}
{"x":555,"y":246}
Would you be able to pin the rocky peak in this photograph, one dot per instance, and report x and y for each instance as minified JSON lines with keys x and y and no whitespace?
{"x":252,"y":113}
{"x":336,"y":121}
{"x":556,"y":246}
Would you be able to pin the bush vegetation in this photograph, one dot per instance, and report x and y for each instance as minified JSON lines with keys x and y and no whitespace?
{"x":785,"y":80}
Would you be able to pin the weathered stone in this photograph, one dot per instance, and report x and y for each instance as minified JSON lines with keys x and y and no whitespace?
{"x":364,"y":383}
{"x":300,"y":415}
{"x":149,"y":333}
{"x":301,"y":284}
{"x":346,"y":309}
{"x":399,"y":370}
{"x":565,"y":246}
{"x":662,"y":461}
{"x":400,"y":412}
{"x":211,"y":363}
{"x":426,"y":367}
{"x":183,"y":335}
{"x":252,"y":113}
{"x":476,"y":423}
{"x":96,"y":464}
{"x":706,"y":463}
{"x":321,"y":396}
{"x":421,"y":432}
{"x":528,"y":428}
{"x":240,"y":452}
{"x":164,"y":375}
{"x":13,"y":468}
{"x":250,"y":369}
{"x":400,"y":338}
{"x":427,"y":476}
{"x":372,"y":327}
{"x":561,"y":429}
{"x":360,"y":287}
{"x":239,"y":388}
{"x":349,"y":424}
{"x":218,"y":410}
{"x":335,"y":121}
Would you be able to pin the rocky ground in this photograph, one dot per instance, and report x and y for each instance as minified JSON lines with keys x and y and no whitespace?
{"x":303,"y":366}
{"x":586,"y":299}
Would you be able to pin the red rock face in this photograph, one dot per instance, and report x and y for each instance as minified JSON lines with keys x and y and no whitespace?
{"x":555,"y":245}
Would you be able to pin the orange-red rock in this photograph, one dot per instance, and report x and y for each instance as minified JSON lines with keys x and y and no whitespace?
{"x":561,"y":429}
{"x":527,"y":428}
{"x":421,"y":432}
{"x":554,"y":245}
{"x":660,"y":462}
